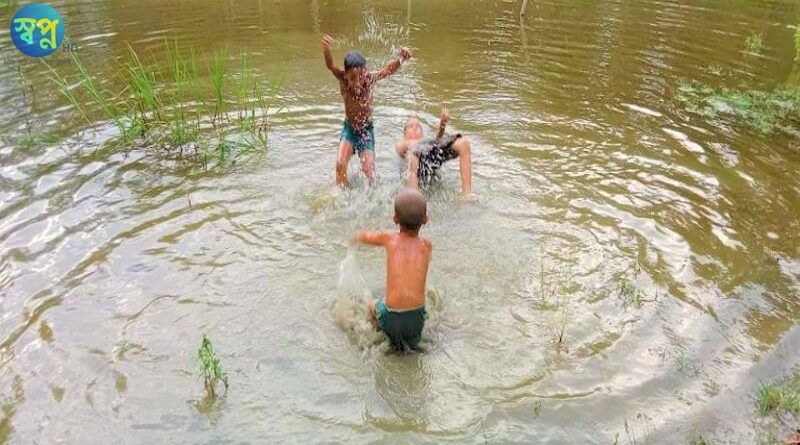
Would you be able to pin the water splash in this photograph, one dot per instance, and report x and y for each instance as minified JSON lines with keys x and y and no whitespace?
{"x":353,"y":295}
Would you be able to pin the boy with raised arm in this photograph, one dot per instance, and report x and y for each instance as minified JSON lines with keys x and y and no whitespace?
{"x":356,"y":85}
{"x":401,"y":313}
{"x":425,"y":157}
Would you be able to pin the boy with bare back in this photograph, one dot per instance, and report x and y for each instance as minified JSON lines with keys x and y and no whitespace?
{"x":401,"y":314}
{"x":356,"y":85}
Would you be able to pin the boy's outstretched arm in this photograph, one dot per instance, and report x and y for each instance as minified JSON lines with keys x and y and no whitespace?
{"x":393,"y":65}
{"x":443,"y":120}
{"x":327,"y":41}
{"x":371,"y":238}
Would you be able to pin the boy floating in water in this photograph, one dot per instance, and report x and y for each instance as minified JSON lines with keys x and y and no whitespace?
{"x":428,"y":155}
{"x":401,"y":314}
{"x":356,"y":85}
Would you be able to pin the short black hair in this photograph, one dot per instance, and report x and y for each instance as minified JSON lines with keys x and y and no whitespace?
{"x":410,"y":208}
{"x":354,"y":59}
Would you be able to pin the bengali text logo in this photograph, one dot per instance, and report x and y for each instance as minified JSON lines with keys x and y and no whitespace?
{"x":37,"y":30}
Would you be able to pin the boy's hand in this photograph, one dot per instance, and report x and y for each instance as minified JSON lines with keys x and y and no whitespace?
{"x":405,"y":54}
{"x":327,"y":41}
{"x":445,"y":117}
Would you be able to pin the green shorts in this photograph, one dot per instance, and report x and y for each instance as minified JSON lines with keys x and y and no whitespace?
{"x":403,"y":328}
{"x":361,"y":140}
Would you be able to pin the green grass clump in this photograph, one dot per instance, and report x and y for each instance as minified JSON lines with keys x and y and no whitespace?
{"x":628,"y":292}
{"x":765,"y":111}
{"x":753,"y":44}
{"x":171,"y":104}
{"x":778,"y":398}
{"x":212,"y":369}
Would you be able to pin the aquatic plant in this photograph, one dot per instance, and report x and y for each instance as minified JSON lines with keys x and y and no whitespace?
{"x":537,"y":408}
{"x":67,"y":90}
{"x":685,"y":365}
{"x":157,"y":104}
{"x":765,"y":111}
{"x":181,"y":131}
{"x":246,"y":116}
{"x":141,"y":83}
{"x":217,"y":72}
{"x":212,"y":370}
{"x":797,"y":43}
{"x":628,"y":292}
{"x":698,"y":439}
{"x":28,"y":104}
{"x":777,"y":398}
{"x":98,"y":95}
{"x":753,"y":44}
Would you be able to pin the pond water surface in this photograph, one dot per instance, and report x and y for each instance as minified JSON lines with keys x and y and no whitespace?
{"x":664,"y":246}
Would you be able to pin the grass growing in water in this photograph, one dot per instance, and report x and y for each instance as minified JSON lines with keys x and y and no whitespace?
{"x":778,"y":398}
{"x":797,"y":43}
{"x":212,"y":370}
{"x":217,"y":73}
{"x":169,"y":106}
{"x":764,"y":111}
{"x":753,"y":44}
{"x":698,"y":439}
{"x":142,"y":85}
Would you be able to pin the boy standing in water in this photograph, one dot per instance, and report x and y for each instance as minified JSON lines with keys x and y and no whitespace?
{"x":356,"y":85}
{"x":427,"y":156}
{"x":401,"y":314}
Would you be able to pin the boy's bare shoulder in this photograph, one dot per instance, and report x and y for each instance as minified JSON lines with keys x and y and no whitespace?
{"x":427,"y":242}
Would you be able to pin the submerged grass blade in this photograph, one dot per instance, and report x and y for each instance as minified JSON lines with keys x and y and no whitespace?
{"x":217,"y":79}
{"x":97,"y":94}
{"x":67,"y":91}
{"x":143,"y":87}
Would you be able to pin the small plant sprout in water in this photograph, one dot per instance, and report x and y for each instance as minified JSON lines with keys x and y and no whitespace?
{"x":212,"y":370}
{"x":753,"y":44}
{"x":698,"y":439}
{"x":779,"y":398}
{"x":796,"y":43}
{"x":537,"y":408}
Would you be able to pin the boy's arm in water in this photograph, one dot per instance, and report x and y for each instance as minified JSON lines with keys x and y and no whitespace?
{"x":442,"y":124}
{"x":327,"y":41}
{"x":371,"y":238}
{"x":392,"y":66}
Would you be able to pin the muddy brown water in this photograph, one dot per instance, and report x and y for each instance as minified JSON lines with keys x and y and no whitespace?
{"x":665,"y":246}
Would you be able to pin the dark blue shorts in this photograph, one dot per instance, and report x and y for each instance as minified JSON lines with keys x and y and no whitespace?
{"x":404,"y":328}
{"x":361,"y":140}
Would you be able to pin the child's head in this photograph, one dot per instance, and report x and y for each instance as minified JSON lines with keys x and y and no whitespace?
{"x":354,"y":59}
{"x":410,"y":210}
{"x":354,"y":64}
{"x":412,"y":129}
